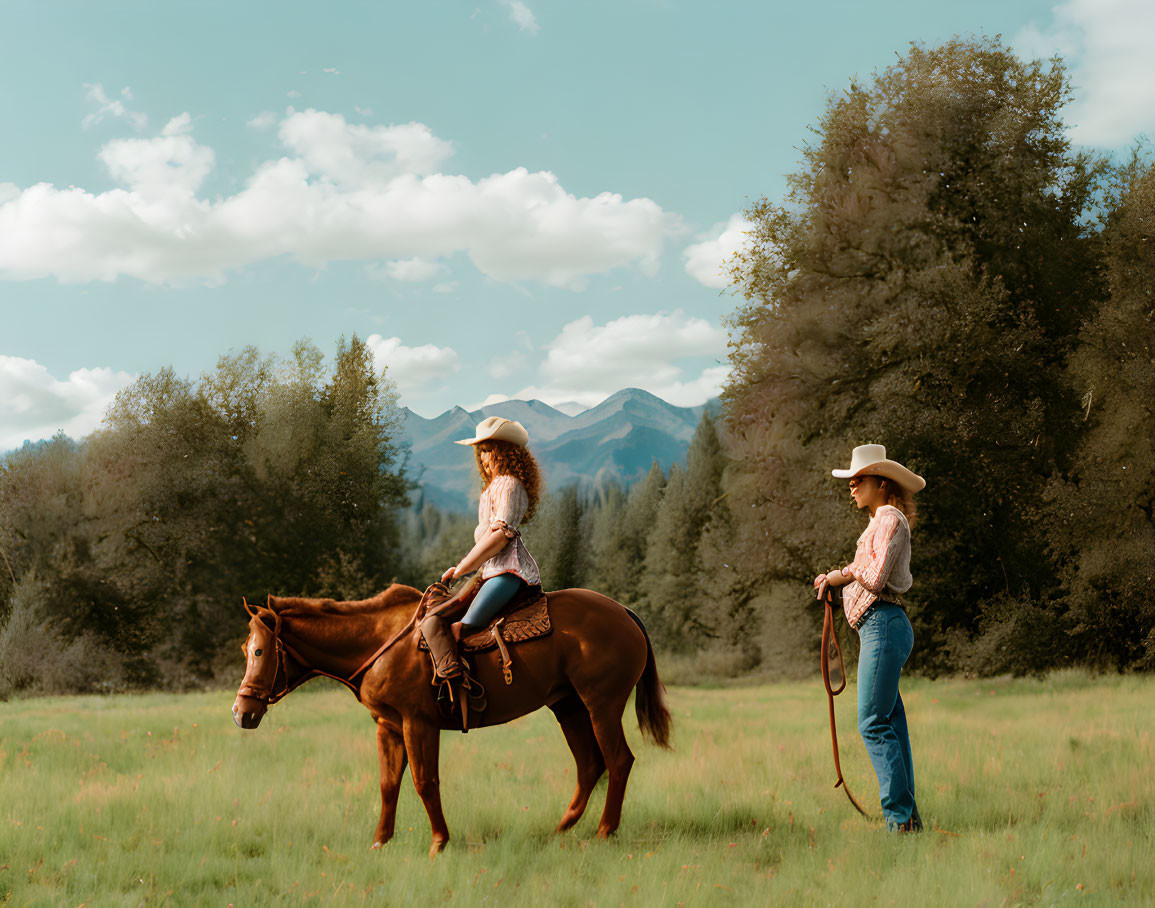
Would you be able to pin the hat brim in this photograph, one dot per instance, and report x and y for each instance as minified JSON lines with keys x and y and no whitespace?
{"x":520,"y":439}
{"x":888,"y":469}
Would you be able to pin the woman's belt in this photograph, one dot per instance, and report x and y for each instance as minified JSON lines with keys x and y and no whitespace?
{"x":878,"y":600}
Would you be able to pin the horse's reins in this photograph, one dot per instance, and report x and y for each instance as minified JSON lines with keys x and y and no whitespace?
{"x":829,"y":636}
{"x":270,"y":697}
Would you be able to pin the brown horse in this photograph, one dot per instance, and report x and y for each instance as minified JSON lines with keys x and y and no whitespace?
{"x":583,"y":671}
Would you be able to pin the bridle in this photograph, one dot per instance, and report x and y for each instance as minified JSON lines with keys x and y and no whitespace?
{"x":828,"y":636}
{"x":271,"y":695}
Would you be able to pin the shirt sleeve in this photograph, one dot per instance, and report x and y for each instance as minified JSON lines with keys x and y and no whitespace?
{"x":509,"y":502}
{"x":482,"y":523}
{"x":873,"y":570}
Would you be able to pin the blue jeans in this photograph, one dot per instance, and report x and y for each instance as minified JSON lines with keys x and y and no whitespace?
{"x":493,"y":596}
{"x":887,"y":639}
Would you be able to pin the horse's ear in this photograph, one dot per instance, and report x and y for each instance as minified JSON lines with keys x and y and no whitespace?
{"x":248,"y":608}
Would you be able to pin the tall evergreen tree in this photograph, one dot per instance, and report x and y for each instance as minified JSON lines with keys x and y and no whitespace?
{"x":676,"y":576}
{"x":556,"y":540}
{"x":608,"y":569}
{"x":637,"y":521}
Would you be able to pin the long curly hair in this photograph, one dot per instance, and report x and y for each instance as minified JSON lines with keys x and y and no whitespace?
{"x":512,"y":460}
{"x":901,"y":498}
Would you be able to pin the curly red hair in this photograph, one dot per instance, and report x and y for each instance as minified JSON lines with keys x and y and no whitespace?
{"x":512,"y":460}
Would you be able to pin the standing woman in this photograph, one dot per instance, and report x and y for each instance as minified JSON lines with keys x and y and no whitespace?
{"x":510,"y":489}
{"x":875,"y":581}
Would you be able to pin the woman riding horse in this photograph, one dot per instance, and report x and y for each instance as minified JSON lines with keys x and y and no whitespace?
{"x":511,"y":487}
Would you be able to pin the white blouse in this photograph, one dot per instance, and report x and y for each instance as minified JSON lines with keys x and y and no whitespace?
{"x":502,"y":507}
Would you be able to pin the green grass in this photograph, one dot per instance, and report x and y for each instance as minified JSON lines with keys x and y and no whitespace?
{"x":1044,"y":790}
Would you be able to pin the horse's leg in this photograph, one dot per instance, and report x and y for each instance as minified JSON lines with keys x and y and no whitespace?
{"x":606,"y":717}
{"x":423,"y":743}
{"x":575,"y":723}
{"x":391,"y":754}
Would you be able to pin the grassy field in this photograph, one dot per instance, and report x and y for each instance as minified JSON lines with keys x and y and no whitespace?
{"x":1041,"y":792}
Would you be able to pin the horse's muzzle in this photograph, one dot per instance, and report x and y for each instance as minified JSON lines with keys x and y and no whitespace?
{"x":248,"y":713}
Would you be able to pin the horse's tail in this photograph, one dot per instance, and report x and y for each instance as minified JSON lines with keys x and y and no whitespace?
{"x":650,"y":701}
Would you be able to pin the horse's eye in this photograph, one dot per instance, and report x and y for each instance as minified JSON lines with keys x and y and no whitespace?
{"x":258,"y":652}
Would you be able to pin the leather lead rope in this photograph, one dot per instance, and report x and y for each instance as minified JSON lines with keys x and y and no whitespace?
{"x":828,"y":637}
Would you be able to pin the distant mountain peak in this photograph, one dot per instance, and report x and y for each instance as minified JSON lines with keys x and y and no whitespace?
{"x":617,"y":440}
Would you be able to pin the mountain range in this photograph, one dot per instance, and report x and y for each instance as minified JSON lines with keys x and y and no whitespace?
{"x":618,"y":440}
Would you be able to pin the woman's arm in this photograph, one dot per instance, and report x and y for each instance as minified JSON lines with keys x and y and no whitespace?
{"x":883,"y":553}
{"x":489,"y":545}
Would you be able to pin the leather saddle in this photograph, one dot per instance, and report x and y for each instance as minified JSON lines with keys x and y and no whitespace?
{"x":524,"y":618}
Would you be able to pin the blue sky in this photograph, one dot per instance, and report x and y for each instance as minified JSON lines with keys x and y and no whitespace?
{"x":507,"y":198}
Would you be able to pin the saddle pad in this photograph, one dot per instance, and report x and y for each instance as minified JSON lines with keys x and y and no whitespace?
{"x":529,"y":621}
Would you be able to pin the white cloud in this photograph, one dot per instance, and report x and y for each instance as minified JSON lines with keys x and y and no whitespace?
{"x":412,"y":369}
{"x":173,"y":162}
{"x":522,"y":16}
{"x":409,"y":271}
{"x":505,"y":364}
{"x":706,"y":259}
{"x":35,"y":405}
{"x":346,"y":192}
{"x":292,"y":93}
{"x":588,"y":362}
{"x":445,"y":287}
{"x":111,"y":108}
{"x":331,"y":70}
{"x":266,"y":119}
{"x":1108,"y":45}
{"x":353,"y":155}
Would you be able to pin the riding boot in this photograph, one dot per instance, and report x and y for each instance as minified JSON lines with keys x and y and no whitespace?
{"x":443,"y":646}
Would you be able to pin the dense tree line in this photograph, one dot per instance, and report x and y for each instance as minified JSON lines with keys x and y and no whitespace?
{"x":950,"y":278}
{"x":125,"y":557}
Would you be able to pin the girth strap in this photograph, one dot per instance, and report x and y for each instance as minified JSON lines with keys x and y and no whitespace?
{"x":506,"y":661}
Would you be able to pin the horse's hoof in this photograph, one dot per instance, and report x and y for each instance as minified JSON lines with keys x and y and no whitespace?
{"x":436,"y":848}
{"x":376,"y":845}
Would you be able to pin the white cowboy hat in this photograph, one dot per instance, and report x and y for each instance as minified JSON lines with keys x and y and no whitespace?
{"x":497,"y":428}
{"x":870,"y":460}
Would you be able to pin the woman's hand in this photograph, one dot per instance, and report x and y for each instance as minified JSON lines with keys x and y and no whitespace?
{"x":841,"y":577}
{"x":820,"y":584}
{"x":447,"y":577}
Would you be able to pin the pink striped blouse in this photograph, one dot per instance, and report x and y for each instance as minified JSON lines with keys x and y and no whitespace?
{"x":881,"y":565}
{"x":502,"y":506}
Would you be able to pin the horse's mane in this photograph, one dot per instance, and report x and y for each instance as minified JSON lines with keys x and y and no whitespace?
{"x":394,"y":596}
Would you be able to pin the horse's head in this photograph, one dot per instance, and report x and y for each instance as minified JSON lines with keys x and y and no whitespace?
{"x":263,"y":663}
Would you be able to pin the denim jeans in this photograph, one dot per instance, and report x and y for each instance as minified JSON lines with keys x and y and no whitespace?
{"x":491,"y":598}
{"x":887,"y":639}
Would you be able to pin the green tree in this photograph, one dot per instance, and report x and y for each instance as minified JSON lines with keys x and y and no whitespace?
{"x":641,"y":511}
{"x":432,"y":541}
{"x":263,"y":476}
{"x":920,"y":289}
{"x":676,"y":576}
{"x":608,"y":570}
{"x":1102,"y":529}
{"x":556,"y":540}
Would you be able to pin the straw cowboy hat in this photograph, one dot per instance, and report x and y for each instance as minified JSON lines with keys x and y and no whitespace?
{"x":870,"y":460}
{"x":497,"y":428}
